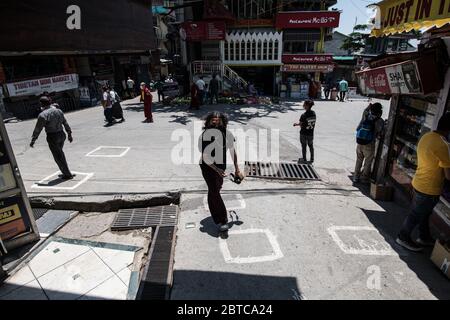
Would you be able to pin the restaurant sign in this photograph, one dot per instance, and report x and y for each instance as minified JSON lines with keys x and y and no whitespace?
{"x":38,"y":86}
{"x":307,"y":19}
{"x":402,"y":78}
{"x":307,"y":68}
{"x":398,"y":16}
{"x":203,"y":30}
{"x":308,"y":58}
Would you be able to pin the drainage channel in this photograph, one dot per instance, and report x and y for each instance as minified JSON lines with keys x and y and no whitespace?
{"x":281,"y":171}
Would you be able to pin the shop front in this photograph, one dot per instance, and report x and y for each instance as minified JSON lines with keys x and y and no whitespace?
{"x":297,"y":75}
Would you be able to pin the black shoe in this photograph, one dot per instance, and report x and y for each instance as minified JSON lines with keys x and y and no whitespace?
{"x":409,"y":244}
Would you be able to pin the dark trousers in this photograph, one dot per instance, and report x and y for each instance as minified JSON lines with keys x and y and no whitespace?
{"x":215,"y":201}
{"x":108,"y":112}
{"x":117,"y":111}
{"x":307,"y":141}
{"x":422,"y":208}
{"x":342,"y":95}
{"x":56,"y":144}
{"x":201,"y":96}
{"x":160,"y":96}
{"x":213,"y":95}
{"x":327,"y":93}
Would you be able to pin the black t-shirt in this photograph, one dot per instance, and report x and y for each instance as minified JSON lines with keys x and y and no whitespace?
{"x":308,"y":120}
{"x":212,"y":141}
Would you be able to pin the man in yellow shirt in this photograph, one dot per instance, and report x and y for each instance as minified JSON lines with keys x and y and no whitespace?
{"x":433,"y":156}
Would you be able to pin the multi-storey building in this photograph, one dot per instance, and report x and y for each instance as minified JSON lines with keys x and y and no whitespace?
{"x":263,"y":41}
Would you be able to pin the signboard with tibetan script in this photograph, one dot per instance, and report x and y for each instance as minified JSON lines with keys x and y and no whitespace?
{"x":203,"y":30}
{"x":398,"y":16}
{"x":307,"y":58}
{"x":37,"y":86}
{"x":307,"y":19}
{"x":402,"y":78}
{"x":307,"y":68}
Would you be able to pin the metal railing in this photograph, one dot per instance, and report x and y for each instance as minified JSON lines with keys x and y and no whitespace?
{"x":217,"y":67}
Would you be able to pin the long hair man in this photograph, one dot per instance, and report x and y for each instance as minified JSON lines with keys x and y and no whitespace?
{"x":214,"y":142}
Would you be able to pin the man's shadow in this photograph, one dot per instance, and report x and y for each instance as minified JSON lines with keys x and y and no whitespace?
{"x":208,"y":226}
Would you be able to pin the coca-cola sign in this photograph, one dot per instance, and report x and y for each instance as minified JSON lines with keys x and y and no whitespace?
{"x":402,"y":78}
{"x":308,"y":58}
{"x":307,"y":19}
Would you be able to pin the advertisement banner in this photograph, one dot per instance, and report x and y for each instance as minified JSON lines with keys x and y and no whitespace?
{"x":38,"y":86}
{"x":203,"y":30}
{"x":398,"y":16}
{"x":308,"y":58}
{"x":307,"y":68}
{"x":12,"y":212}
{"x":307,"y":19}
{"x":402,"y":78}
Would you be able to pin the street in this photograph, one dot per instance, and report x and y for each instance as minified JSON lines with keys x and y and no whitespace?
{"x":323,"y":239}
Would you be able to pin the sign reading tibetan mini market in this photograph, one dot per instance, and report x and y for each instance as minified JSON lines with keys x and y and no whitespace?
{"x":397,"y":16}
{"x":307,"y":19}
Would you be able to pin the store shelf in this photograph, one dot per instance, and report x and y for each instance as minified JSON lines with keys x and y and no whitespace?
{"x":406,"y":170}
{"x":407,"y":143}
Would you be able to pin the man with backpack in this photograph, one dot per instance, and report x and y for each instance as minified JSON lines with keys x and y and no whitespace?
{"x":369,"y":129}
{"x":107,"y":106}
{"x":307,"y":124}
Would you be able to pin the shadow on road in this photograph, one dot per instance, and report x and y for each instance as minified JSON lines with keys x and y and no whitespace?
{"x":207,"y":285}
{"x":388,"y":223}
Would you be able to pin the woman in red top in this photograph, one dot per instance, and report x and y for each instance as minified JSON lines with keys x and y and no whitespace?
{"x":148,"y":99}
{"x":195,"y":102}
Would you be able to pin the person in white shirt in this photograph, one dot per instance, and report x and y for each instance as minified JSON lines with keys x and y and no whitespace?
{"x":201,"y":88}
{"x":130,"y":86}
{"x":117,"y":111}
{"x":107,"y":106}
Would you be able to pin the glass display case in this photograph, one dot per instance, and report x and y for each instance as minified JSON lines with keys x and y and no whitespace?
{"x":414,"y":118}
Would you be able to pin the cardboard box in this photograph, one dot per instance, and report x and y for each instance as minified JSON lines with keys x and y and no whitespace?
{"x":381,"y":192}
{"x":441,"y":257}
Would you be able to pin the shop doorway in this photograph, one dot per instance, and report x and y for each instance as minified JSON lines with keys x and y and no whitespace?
{"x":262,"y":77}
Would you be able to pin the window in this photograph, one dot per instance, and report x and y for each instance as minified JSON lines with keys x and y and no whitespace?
{"x":264,"y":50}
{"x":270,"y":56}
{"x":276,"y":50}
{"x":299,"y":46}
{"x":254,"y":50}
{"x":242,"y":50}
{"x":287,"y":47}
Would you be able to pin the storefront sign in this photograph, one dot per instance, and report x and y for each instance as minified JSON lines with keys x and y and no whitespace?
{"x":308,"y":58}
{"x":393,"y":79}
{"x":307,"y":68}
{"x":307,"y":19}
{"x":254,"y":23}
{"x":203,"y":30}
{"x":11,"y":218}
{"x":398,"y":16}
{"x":38,"y":86}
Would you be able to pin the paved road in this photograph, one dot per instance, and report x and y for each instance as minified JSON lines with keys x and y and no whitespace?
{"x":307,"y":240}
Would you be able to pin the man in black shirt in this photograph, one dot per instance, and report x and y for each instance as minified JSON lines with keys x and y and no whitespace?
{"x":214,"y":142}
{"x":307,"y":124}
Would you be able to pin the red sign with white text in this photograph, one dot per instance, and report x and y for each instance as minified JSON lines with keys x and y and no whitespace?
{"x":307,"y":19}
{"x":204,"y":30}
{"x":307,"y":58}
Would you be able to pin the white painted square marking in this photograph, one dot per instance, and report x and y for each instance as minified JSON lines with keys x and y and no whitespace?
{"x":41,"y":184}
{"x":234,"y":204}
{"x":112,"y":155}
{"x":277,"y":254}
{"x":372,"y":245}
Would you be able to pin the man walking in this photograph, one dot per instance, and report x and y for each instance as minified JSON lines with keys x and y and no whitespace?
{"x":214,"y":89}
{"x":433,"y":159}
{"x":117,"y":111}
{"x":307,"y":124}
{"x":130,"y":86}
{"x":343,"y":88}
{"x":148,"y":99}
{"x":214,"y":142}
{"x":107,"y":106}
{"x":53,"y":120}
{"x":369,"y":129}
{"x":201,"y":88}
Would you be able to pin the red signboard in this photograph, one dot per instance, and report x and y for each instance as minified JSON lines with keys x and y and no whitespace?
{"x":308,"y":58}
{"x":307,"y":19}
{"x":325,"y":68}
{"x":203,"y":30}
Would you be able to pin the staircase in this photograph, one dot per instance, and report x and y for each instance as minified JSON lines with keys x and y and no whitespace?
{"x":231,"y":79}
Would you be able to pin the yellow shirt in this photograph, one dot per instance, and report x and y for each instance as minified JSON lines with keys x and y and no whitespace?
{"x":433,"y":155}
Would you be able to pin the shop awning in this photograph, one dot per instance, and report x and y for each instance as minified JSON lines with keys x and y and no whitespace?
{"x":398,"y":16}
{"x":325,"y":68}
{"x":415,"y":76}
{"x":344,"y":58}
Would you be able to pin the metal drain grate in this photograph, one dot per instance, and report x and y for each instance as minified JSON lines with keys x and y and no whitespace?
{"x":39,"y":212}
{"x":282,"y":170}
{"x":145,"y":217}
{"x":157,"y":279}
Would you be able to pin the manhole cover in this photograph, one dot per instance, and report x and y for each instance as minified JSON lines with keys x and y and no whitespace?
{"x":145,"y":217}
{"x":281,"y":170}
{"x":38,"y":212}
